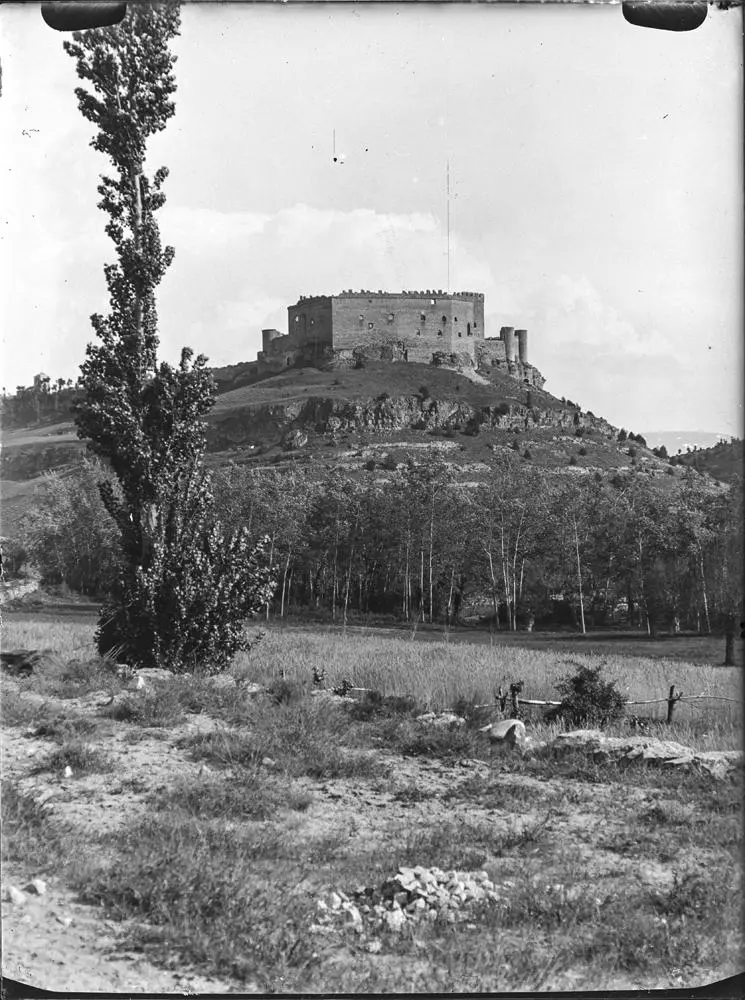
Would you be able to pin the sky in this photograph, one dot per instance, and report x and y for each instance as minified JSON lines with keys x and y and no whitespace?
{"x":595,"y":173}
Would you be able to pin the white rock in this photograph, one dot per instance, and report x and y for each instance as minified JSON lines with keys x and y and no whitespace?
{"x":509,"y":731}
{"x":65,"y":921}
{"x":37,"y":887}
{"x":373,"y":946}
{"x":67,"y":772}
{"x":395,"y":919}
{"x":14,"y":895}
{"x":322,"y":906}
{"x":335,"y":901}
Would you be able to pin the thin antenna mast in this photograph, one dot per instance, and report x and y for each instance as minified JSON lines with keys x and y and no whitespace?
{"x":447,"y":191}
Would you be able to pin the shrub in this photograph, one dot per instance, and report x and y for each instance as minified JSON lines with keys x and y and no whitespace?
{"x":527,"y":454}
{"x":587,"y":700}
{"x":515,"y":445}
{"x":572,"y":460}
{"x":583,"y":451}
{"x":622,"y":435}
{"x":423,"y":392}
{"x":369,"y":465}
{"x":631,"y":452}
{"x":69,"y":536}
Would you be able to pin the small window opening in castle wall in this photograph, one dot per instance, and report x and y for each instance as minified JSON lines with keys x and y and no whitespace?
{"x":390,"y":317}
{"x":423,"y":317}
{"x":419,"y":333}
{"x":361,"y":318}
{"x":444,"y":320}
{"x":370,"y":326}
{"x":288,"y":362}
{"x":468,"y":329}
{"x":312,"y":322}
{"x":460,"y":333}
{"x":433,"y":302}
{"x":297,"y":319}
{"x":439,"y":333}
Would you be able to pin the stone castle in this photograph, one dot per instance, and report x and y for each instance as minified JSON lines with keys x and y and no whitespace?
{"x":427,"y":327}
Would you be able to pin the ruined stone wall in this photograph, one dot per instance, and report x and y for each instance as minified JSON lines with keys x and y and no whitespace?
{"x":309,"y":323}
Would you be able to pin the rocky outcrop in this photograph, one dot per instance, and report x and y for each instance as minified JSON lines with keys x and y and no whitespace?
{"x":263,"y":424}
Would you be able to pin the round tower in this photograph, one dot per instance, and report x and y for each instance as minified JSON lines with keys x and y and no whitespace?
{"x":507,"y":334}
{"x":267,"y":336}
{"x":522,"y":345}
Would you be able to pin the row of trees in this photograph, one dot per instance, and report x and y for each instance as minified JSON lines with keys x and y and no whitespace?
{"x":525,"y":545}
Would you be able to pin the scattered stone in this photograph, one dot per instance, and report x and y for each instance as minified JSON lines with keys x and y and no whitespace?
{"x":37,"y":887}
{"x":395,"y":919}
{"x":20,"y":662}
{"x":12,"y":894}
{"x":441,"y":720}
{"x":335,"y":901}
{"x":510,"y":732}
{"x":268,"y":762}
{"x":67,"y":772}
{"x":253,"y":689}
{"x":649,"y":749}
{"x":373,"y":946}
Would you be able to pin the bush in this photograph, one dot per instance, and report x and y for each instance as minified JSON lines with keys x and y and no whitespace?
{"x":424,"y":392}
{"x":515,"y":445}
{"x":583,"y":451}
{"x":622,"y":435}
{"x":573,"y":460}
{"x":587,"y":700}
{"x":69,"y":536}
{"x":527,"y":454}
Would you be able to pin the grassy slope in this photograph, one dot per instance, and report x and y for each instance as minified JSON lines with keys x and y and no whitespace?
{"x":609,"y":877}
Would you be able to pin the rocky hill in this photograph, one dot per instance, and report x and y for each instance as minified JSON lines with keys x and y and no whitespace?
{"x":378,"y":414}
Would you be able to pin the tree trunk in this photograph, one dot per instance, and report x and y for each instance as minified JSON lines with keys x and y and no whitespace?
{"x":729,"y":641}
{"x":579,"y":580}
{"x":703,"y":592}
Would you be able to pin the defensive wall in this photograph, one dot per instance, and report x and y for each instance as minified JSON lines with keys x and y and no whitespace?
{"x":428,"y":327}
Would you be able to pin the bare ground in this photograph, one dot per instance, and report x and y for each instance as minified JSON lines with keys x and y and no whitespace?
{"x":56,"y":942}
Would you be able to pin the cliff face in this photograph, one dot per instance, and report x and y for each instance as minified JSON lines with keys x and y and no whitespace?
{"x":270,"y":422}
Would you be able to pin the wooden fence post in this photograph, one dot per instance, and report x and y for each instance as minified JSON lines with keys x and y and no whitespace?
{"x":502,"y":698}
{"x":515,"y":690}
{"x":672,"y":700}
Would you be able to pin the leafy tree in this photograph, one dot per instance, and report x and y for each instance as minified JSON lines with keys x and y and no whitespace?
{"x":68,"y":534}
{"x":186,"y":587}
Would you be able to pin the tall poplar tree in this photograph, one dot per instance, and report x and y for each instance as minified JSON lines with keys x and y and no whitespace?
{"x":187,"y":588}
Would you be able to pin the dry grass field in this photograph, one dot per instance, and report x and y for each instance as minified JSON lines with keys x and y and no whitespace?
{"x":199,"y":824}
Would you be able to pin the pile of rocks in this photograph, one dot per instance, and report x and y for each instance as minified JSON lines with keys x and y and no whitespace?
{"x":412,"y":894}
{"x":441,"y":720}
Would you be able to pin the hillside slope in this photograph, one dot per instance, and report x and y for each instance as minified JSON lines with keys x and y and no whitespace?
{"x":379,"y":413}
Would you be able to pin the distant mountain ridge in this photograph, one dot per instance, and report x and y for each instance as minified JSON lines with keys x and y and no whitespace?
{"x":676,"y":441}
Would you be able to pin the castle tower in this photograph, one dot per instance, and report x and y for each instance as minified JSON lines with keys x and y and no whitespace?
{"x":507,"y":334}
{"x":267,"y":336}
{"x":522,"y":345}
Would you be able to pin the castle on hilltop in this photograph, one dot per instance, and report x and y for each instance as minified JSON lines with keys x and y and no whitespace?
{"x":428,"y":327}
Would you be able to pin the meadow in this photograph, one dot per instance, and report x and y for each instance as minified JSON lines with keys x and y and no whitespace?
{"x":206,"y":822}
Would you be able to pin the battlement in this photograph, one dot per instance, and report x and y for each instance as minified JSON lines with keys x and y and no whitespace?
{"x":429,"y":293}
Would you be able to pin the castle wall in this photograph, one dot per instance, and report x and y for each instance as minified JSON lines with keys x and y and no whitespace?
{"x":309,"y":323}
{"x":424,"y":322}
